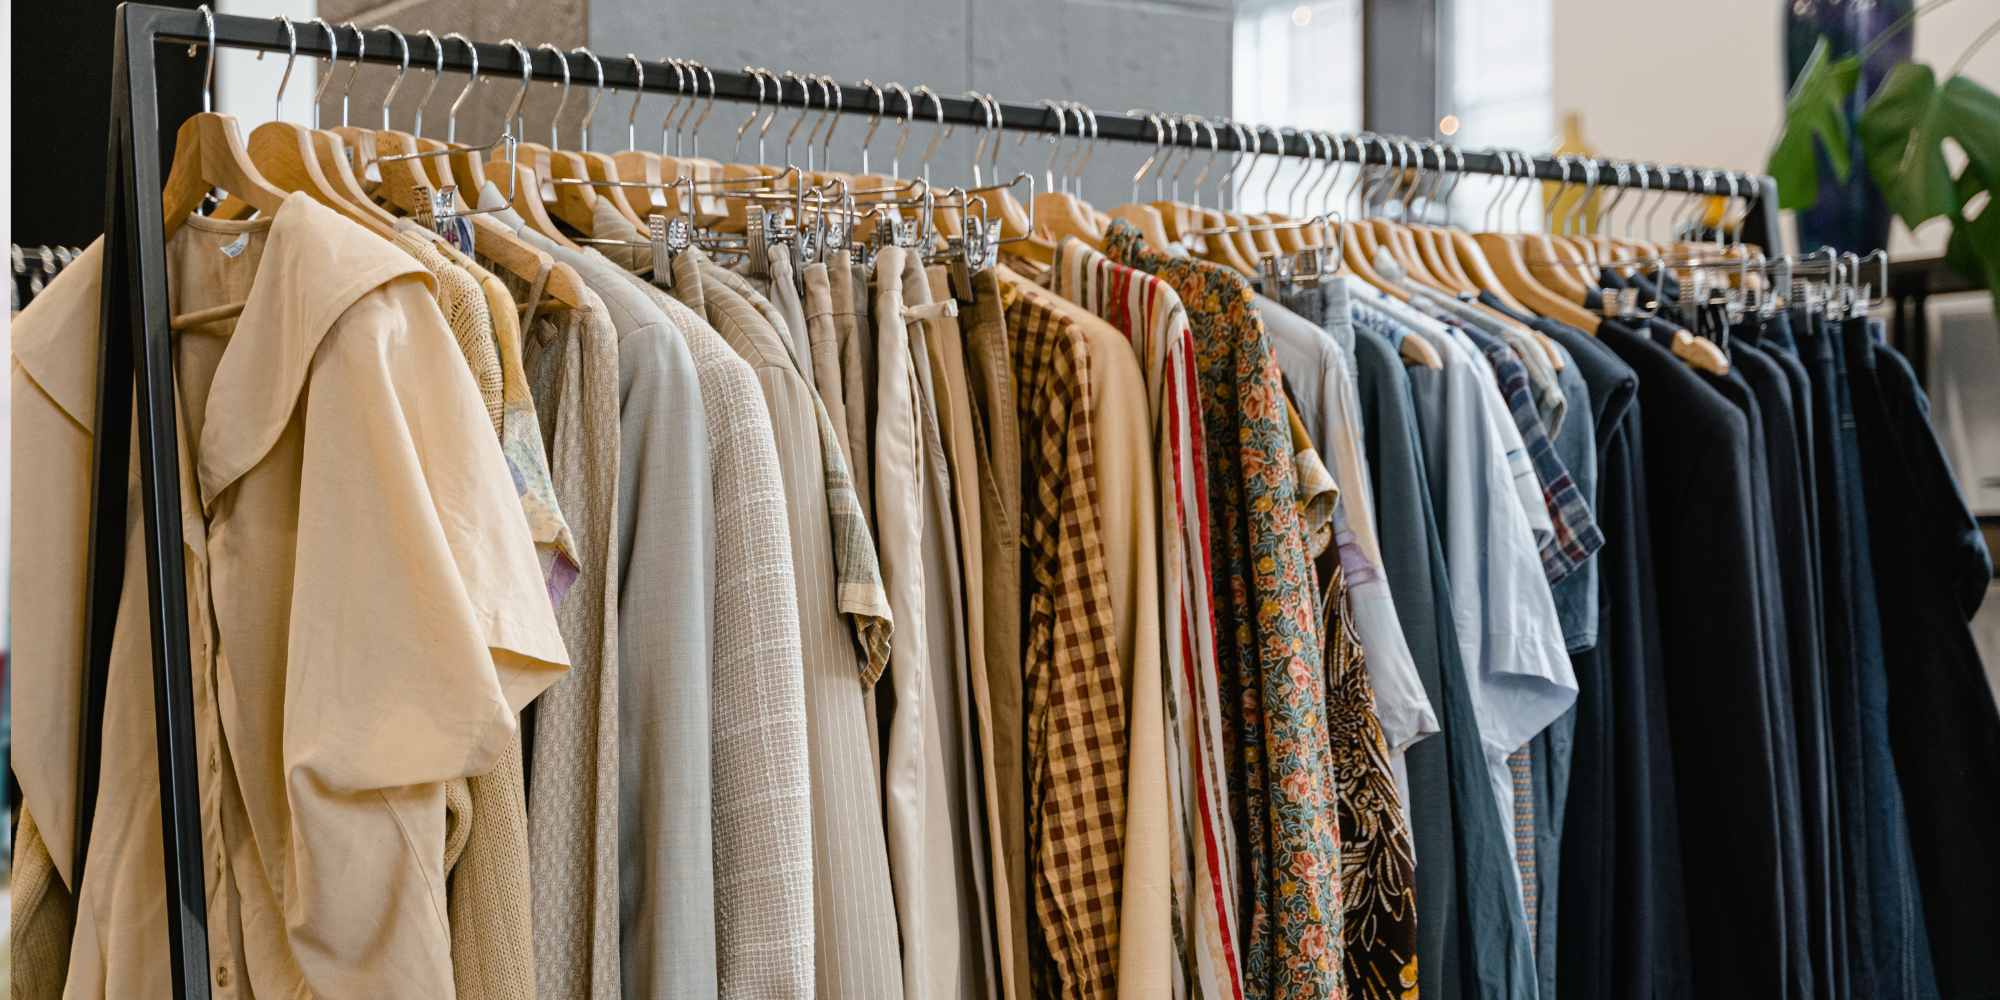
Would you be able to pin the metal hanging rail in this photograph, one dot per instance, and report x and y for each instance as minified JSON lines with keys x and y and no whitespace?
{"x":660,"y":77}
{"x":136,"y":350}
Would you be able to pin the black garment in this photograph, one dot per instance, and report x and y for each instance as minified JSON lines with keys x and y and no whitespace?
{"x":1623,"y":918}
{"x":1888,"y":952}
{"x":1798,"y":588}
{"x":1699,"y":494}
{"x":1932,"y":569}
{"x":1799,"y":978}
{"x":1775,"y":337}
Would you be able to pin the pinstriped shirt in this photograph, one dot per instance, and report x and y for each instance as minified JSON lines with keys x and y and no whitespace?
{"x":1075,"y":703}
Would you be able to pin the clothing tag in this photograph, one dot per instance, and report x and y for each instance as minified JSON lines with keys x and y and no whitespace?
{"x":234,"y":248}
{"x":930,"y":311}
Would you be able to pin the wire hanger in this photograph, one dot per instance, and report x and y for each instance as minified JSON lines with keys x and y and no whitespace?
{"x":524,"y":188}
{"x":599,"y":168}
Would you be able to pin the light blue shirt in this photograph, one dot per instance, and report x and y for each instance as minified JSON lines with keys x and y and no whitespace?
{"x":1518,"y":670}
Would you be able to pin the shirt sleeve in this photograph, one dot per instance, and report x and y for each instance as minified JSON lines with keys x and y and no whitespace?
{"x":420,"y":623}
{"x":419,"y":628}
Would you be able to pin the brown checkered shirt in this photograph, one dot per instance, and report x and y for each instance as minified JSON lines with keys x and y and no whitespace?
{"x":1075,"y":701}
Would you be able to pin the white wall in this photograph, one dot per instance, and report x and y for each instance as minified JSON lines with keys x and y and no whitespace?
{"x":1700,"y":81}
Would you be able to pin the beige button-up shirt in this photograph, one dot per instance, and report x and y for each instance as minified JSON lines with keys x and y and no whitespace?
{"x":366,"y":614}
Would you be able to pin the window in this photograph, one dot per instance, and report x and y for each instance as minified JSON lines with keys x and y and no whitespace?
{"x":1298,"y":65}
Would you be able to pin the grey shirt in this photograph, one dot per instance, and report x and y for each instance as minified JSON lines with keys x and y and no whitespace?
{"x":667,"y":548}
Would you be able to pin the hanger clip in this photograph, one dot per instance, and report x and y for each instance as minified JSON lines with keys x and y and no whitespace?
{"x":1277,"y":271}
{"x":978,"y":248}
{"x":669,"y":237}
{"x":892,"y":230}
{"x":1620,"y":303}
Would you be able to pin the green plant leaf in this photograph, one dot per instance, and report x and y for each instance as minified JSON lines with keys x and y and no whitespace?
{"x":1903,"y":129}
{"x":1814,"y":109}
{"x":1974,"y":250}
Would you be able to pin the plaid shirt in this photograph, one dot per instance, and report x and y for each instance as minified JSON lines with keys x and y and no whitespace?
{"x":1074,"y":697}
{"x":1577,"y":537}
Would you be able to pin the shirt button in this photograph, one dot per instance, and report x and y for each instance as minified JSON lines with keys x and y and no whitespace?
{"x":222,"y":976}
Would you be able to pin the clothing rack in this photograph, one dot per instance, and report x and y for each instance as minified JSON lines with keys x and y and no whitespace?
{"x":136,"y":345}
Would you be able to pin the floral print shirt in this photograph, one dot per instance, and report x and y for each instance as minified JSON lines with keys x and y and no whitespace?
{"x":1282,"y":795}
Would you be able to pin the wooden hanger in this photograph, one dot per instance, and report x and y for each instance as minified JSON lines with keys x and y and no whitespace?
{"x":1504,"y":255}
{"x":1413,"y":349}
{"x":527,"y":199}
{"x":406,"y":187}
{"x":209,"y":153}
{"x":1700,"y":353}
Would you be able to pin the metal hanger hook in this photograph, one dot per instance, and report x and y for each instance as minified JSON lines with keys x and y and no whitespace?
{"x":902,"y":132}
{"x":520,"y":96}
{"x":632,"y":113}
{"x":755,"y":110}
{"x":360,"y":53}
{"x":874,"y":120}
{"x":1277,"y":162}
{"x":1322,"y":188}
{"x":937,"y":134}
{"x":1085,"y":148}
{"x":694,"y":130}
{"x":777,"y":104}
{"x":805,"y":109}
{"x":999,"y":125}
{"x":985,"y":131}
{"x":1314,"y":165}
{"x":1505,"y":175}
{"x":830,"y":86}
{"x":667,"y":124}
{"x":332,"y":64}
{"x":1187,"y":150}
{"x":437,"y":74}
{"x":555,"y":117}
{"x":401,"y":72}
{"x":1055,"y":141}
{"x":1214,"y":149}
{"x":208,"y":72}
{"x":451,"y":117}
{"x":1159,"y":141}
{"x":596,"y":98}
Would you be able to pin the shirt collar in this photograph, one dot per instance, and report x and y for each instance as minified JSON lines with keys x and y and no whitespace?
{"x":316,"y":264}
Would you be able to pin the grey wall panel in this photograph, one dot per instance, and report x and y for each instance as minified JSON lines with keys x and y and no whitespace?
{"x":1110,"y":54}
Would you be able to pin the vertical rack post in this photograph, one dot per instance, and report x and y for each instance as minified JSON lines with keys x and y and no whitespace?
{"x":134,"y":340}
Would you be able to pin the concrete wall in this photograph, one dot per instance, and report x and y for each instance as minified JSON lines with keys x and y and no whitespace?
{"x":1109,"y":54}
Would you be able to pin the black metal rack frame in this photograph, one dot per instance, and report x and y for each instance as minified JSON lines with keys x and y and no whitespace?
{"x":136,"y":351}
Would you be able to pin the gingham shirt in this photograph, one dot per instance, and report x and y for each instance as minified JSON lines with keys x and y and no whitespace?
{"x":1075,"y":702}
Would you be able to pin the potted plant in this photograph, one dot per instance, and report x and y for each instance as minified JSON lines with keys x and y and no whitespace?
{"x":1900,"y":136}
